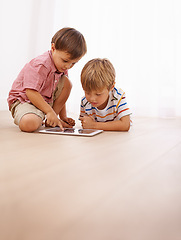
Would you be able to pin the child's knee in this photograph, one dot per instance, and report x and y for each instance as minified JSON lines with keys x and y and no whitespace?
{"x":30,"y":123}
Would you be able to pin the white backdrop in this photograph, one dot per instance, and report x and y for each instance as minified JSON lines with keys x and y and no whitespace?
{"x":142,"y":38}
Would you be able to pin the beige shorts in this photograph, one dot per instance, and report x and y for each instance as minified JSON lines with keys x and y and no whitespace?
{"x":18,"y":109}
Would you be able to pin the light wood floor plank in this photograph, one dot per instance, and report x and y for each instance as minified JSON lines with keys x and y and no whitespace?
{"x":109,"y":187}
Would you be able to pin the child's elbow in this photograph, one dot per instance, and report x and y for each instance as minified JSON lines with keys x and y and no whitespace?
{"x":127,"y":127}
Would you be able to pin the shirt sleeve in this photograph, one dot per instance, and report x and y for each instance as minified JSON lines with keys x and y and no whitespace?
{"x":122,"y":107}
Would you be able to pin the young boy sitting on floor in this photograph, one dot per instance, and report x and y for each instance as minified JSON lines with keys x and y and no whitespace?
{"x":42,"y":87}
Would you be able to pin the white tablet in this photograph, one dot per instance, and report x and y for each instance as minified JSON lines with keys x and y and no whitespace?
{"x":71,"y":131}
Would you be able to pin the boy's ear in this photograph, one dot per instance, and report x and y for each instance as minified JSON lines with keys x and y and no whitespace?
{"x":53,"y":47}
{"x":112,"y":86}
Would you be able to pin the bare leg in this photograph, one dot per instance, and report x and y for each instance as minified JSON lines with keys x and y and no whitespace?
{"x":30,"y":122}
{"x":60,"y":101}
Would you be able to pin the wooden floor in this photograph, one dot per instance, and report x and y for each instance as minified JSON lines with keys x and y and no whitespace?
{"x":114,"y":186}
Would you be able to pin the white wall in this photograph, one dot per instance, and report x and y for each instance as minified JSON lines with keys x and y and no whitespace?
{"x":141,"y":38}
{"x":26,"y":31}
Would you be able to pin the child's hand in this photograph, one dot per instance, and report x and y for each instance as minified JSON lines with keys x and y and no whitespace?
{"x":52,"y":120}
{"x":87,"y":122}
{"x":70,"y":121}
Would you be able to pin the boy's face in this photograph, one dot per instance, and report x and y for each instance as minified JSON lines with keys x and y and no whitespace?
{"x":62,"y":59}
{"x":98,"y":99}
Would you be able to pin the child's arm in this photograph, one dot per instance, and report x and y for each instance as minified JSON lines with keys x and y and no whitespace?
{"x":63,"y":116}
{"x":37,"y":100}
{"x":59,"y":104}
{"x":119,"y":125}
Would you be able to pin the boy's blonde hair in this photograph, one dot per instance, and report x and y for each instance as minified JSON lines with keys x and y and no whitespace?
{"x":97,"y":74}
{"x":71,"y":41}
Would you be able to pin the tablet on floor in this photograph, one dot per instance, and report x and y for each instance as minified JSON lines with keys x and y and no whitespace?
{"x":71,"y":131}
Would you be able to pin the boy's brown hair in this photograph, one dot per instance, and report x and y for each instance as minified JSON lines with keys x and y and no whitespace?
{"x":71,"y":41}
{"x":97,"y":74}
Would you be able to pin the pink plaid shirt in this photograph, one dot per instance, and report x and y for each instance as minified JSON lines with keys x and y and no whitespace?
{"x":39,"y":74}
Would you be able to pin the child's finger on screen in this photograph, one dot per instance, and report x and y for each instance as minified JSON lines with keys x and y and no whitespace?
{"x":60,"y":125}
